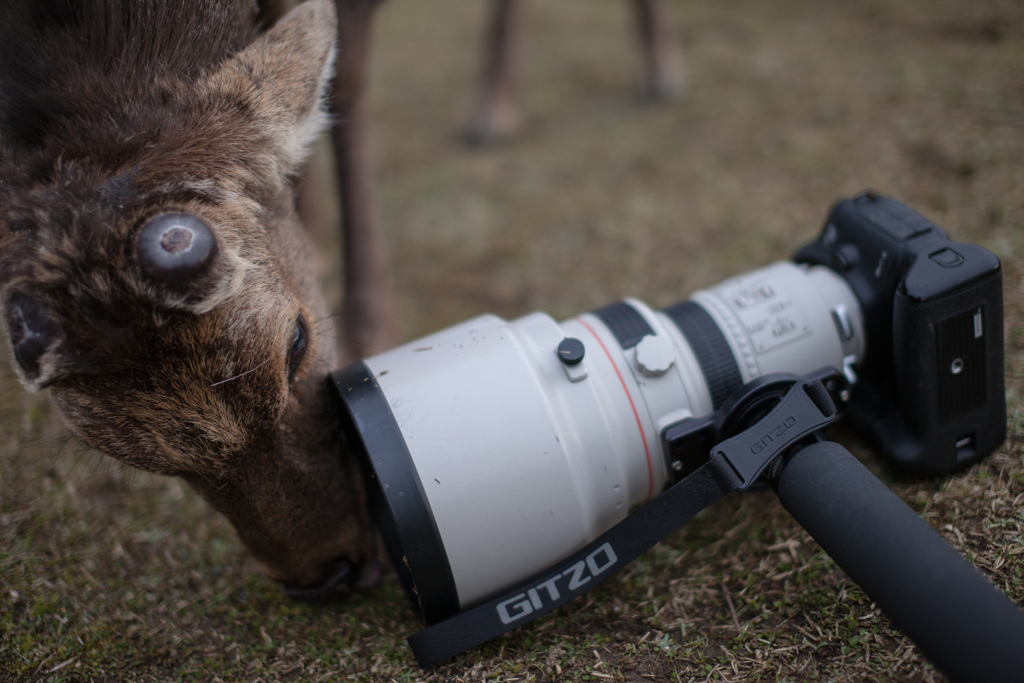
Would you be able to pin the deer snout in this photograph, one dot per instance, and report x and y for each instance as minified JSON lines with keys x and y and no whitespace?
{"x":338,"y":572}
{"x":33,"y":332}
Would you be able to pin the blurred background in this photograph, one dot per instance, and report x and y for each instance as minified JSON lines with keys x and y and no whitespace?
{"x":110,"y":573}
{"x":791,"y":105}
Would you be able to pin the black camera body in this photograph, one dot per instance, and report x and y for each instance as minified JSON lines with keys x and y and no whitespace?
{"x":930,"y":390}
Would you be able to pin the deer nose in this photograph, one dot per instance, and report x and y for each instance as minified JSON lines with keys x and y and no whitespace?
{"x":32,"y":332}
{"x":340,"y":571}
{"x":174,"y":248}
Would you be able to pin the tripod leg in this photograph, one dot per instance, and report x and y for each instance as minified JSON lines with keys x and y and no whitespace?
{"x":961,"y":622}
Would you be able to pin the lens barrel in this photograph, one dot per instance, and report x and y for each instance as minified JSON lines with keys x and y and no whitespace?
{"x":489,"y":457}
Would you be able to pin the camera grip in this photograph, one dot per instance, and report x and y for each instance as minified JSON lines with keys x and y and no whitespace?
{"x":960,"y":621}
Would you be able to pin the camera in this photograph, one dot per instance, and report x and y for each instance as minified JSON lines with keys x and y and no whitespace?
{"x":931,"y":393}
{"x":495,"y":449}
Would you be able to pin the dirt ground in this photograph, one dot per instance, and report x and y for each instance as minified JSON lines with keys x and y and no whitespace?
{"x":108,"y":573}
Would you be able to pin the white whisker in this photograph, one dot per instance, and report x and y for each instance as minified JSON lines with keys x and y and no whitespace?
{"x":241,"y":375}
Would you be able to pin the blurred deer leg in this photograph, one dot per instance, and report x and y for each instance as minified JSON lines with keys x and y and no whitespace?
{"x":317,"y":203}
{"x":316,"y":184}
{"x":368,"y":310}
{"x":496,"y":115}
{"x":663,"y":77}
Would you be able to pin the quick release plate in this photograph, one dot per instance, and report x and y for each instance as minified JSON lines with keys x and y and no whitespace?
{"x":689,"y":443}
{"x":806,"y":408}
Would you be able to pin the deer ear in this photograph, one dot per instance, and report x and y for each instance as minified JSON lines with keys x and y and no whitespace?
{"x":282,"y":79}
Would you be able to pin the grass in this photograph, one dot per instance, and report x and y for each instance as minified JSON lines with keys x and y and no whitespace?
{"x":108,"y":573}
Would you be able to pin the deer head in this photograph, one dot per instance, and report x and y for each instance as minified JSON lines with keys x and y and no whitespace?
{"x":153,"y":274}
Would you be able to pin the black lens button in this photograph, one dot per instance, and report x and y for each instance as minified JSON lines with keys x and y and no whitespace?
{"x":570,"y":351}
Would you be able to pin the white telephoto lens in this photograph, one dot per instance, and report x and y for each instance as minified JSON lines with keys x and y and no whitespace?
{"x":514,"y":456}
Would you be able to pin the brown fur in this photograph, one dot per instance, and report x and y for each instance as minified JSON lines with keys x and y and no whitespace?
{"x":113,"y":112}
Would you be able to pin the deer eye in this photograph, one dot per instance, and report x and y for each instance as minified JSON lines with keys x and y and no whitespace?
{"x":300,"y":340}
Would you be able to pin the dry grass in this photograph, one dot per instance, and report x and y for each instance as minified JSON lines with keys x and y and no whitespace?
{"x":112,"y":574}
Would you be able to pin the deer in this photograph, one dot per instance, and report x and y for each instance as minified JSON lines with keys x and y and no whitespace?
{"x":155,"y":274}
